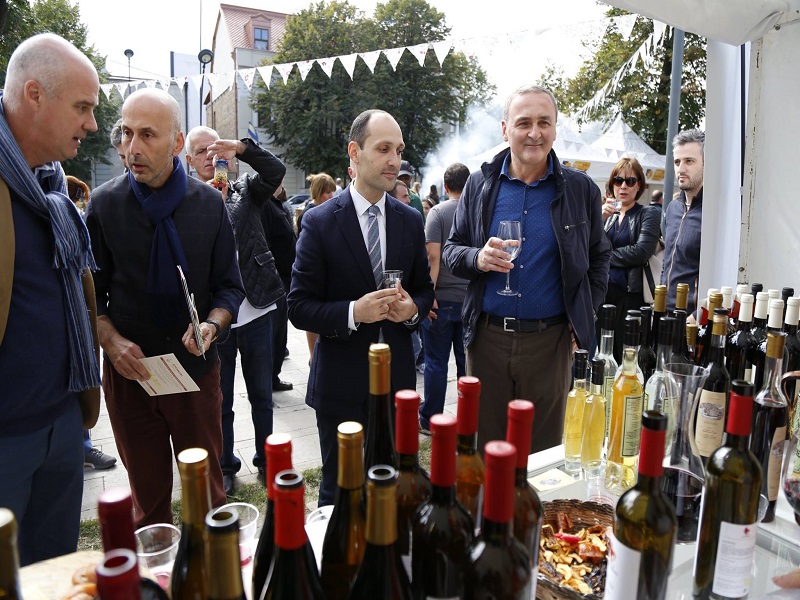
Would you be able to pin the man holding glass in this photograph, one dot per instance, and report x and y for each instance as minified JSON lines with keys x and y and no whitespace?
{"x":520,"y":345}
{"x":338,"y":285}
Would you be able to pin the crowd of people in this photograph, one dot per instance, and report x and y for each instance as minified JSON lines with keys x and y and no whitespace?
{"x":250,"y":273}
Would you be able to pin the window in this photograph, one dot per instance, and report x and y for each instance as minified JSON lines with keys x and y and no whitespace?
{"x":260,"y":38}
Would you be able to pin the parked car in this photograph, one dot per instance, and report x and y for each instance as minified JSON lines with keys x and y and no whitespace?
{"x":298,"y":199}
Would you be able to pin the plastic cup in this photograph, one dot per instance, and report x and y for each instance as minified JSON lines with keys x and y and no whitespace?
{"x":157,"y":547}
{"x":248,"y":523}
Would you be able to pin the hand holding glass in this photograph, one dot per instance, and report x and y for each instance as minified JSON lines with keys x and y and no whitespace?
{"x":391,"y":278}
{"x":511,"y":234}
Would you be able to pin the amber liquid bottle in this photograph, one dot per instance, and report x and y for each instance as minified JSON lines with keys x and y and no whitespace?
{"x":343,"y":547}
{"x":379,"y":447}
{"x":382,"y":574}
{"x":189,"y":576}
{"x":413,"y":483}
{"x":115,"y":514}
{"x":498,"y":565}
{"x":294,"y":573}
{"x":442,"y":526}
{"x":470,"y":470}
{"x":223,"y":561}
{"x":9,"y":557}
{"x":528,"y":511}
{"x":573,"y":415}
{"x":593,"y":438}
{"x":278,"y":450}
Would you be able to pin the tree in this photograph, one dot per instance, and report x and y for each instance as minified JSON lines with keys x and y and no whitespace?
{"x":311,"y":119}
{"x":24,"y":19}
{"x":642,"y":96}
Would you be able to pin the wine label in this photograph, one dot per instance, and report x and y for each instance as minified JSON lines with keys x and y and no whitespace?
{"x":796,"y":465}
{"x":632,"y":426}
{"x":624,"y":564}
{"x":710,"y":422}
{"x":608,"y":390}
{"x":733,"y":571}
{"x":775,"y":462}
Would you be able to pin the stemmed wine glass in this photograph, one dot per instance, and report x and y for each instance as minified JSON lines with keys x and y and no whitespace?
{"x":510,"y":233}
{"x":791,"y":454}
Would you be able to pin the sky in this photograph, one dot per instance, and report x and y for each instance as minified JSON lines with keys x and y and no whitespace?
{"x":499,"y":37}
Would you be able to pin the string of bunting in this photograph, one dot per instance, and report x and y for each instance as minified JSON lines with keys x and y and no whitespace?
{"x":221,"y":82}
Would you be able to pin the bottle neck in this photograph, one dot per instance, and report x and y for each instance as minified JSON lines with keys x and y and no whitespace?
{"x":381,"y":515}
{"x":716,"y":353}
{"x":744,"y":325}
{"x":629,"y":356}
{"x":606,"y":342}
{"x":467,"y":443}
{"x":290,"y":533}
{"x":196,"y":494}
{"x":409,"y":463}
{"x":443,"y":495}
{"x":597,"y":389}
{"x":351,"y":466}
{"x":790,"y":330}
{"x":773,"y":370}
{"x":662,"y":356}
{"x":521,"y":477}
{"x":496,"y":533}
{"x":581,"y":385}
{"x":223,"y":553}
{"x":739,"y":442}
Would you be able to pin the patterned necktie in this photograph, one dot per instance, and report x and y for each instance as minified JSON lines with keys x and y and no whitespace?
{"x":374,"y":245}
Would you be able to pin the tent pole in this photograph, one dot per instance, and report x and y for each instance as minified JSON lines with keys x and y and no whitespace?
{"x":674,"y":111}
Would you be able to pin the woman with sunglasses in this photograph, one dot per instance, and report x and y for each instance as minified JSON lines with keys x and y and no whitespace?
{"x":633,"y":230}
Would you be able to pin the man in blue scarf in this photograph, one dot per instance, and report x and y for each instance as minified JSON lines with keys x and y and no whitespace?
{"x":47,"y":355}
{"x":143,"y":225}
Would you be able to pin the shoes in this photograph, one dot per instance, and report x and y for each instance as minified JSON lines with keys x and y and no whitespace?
{"x":282,"y":386}
{"x":96,"y":459}
{"x":261,"y":477}
{"x":286,"y":354}
{"x":227,"y":483}
{"x":421,"y":368}
{"x":424,"y":430}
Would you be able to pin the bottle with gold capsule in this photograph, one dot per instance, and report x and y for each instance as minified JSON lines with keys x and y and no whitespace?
{"x":223,"y":560}
{"x":692,"y":331}
{"x":710,"y":423}
{"x":573,"y":415}
{"x":680,"y":350}
{"x":704,"y":330}
{"x":659,"y":311}
{"x":379,"y":446}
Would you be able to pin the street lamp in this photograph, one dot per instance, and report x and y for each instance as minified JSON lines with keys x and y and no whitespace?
{"x":205,"y":56}
{"x":129,"y":54}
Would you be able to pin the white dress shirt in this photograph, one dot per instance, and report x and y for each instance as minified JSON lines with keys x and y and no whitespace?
{"x":361,"y":205}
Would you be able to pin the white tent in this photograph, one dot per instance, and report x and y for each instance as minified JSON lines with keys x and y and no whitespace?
{"x":763,"y":209}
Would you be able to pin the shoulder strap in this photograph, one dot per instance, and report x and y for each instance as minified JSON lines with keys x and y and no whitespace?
{"x":7,"y":249}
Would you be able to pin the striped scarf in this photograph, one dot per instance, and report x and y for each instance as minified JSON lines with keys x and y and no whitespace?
{"x":73,"y":252}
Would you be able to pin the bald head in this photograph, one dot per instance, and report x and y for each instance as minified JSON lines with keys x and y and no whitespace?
{"x":157,"y":100}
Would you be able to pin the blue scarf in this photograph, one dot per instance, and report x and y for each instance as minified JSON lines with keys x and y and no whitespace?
{"x":72,"y":248}
{"x":164,"y":291}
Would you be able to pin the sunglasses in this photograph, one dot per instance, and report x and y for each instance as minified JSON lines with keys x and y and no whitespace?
{"x":630,"y":181}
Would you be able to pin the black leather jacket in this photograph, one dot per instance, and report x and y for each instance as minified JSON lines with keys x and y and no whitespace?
{"x":246,"y":196}
{"x":645,"y":228}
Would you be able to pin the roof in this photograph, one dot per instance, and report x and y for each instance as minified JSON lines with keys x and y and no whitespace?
{"x":236,"y":19}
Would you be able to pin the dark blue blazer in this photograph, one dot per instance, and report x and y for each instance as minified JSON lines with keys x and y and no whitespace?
{"x":332,"y":269}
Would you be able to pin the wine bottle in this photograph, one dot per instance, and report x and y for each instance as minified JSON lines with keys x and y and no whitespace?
{"x":607,"y":318}
{"x":705,"y":310}
{"x":710,"y":423}
{"x":786,"y":293}
{"x":741,"y":289}
{"x":498,"y":565}
{"x":728,"y":514}
{"x":379,"y":445}
{"x":118,"y":578}
{"x":792,"y":350}
{"x":646,"y":356}
{"x":691,"y":342}
{"x":470,"y":471}
{"x":626,"y":413}
{"x":294,"y":573}
{"x":774,"y":294}
{"x":645,"y":525}
{"x":278,"y":450}
{"x":573,"y":415}
{"x":223,"y":561}
{"x":382,"y":574}
{"x":704,"y":331}
{"x":770,"y":420}
{"x":657,"y":395}
{"x":115,"y":514}
{"x":774,"y":325}
{"x":189,"y":579}
{"x":756,"y":288}
{"x":737,"y":353}
{"x":659,"y":311}
{"x":443,"y":528}
{"x":528,"y":510}
{"x":9,"y":557}
{"x":413,"y":483}
{"x":727,"y":297}
{"x":759,"y":330}
{"x":343,"y":547}
{"x":593,"y":437}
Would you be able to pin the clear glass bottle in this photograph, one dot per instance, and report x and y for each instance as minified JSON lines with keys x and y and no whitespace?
{"x":605,"y":350}
{"x":593,"y":437}
{"x":573,"y":415}
{"x":657,"y":395}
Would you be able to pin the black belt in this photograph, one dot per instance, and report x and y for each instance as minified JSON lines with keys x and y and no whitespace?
{"x":525,"y":325}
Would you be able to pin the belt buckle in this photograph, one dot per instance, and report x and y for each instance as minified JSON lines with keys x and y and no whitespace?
{"x":506,"y":326}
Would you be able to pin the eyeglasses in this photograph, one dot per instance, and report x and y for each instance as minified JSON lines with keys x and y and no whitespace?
{"x":630,"y":181}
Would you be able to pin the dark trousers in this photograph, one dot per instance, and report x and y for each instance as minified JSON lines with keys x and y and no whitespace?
{"x":144,"y":426}
{"x":438,"y":336}
{"x":280,"y":332}
{"x":327,"y":426}
{"x":41,"y":475}
{"x":526,"y":366}
{"x":253,"y":342}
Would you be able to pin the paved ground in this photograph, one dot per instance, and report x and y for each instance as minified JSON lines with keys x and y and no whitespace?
{"x":291,"y":415}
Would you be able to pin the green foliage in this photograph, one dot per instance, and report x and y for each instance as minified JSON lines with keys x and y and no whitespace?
{"x":642,"y":96}
{"x":25,"y":19}
{"x":311,"y":119}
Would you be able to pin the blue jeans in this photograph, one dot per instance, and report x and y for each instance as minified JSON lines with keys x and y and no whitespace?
{"x":254,"y":342}
{"x":439,"y":335}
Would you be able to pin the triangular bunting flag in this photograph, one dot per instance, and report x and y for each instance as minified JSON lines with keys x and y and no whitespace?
{"x":151,"y":83}
{"x":420,"y":51}
{"x":326,"y":64}
{"x":659,"y":29}
{"x":284,"y":70}
{"x":266,"y":74}
{"x":394,"y":55}
{"x":107,"y":89}
{"x":304,"y":67}
{"x":442,"y":49}
{"x":370,"y":58}
{"x":197,"y":81}
{"x":166,"y":83}
{"x":248,"y":76}
{"x":349,"y":63}
{"x":625,"y":25}
{"x":122,"y":88}
{"x":220,"y":83}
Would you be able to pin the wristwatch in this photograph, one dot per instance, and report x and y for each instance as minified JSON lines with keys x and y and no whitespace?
{"x":413,"y":320}
{"x":216,"y":327}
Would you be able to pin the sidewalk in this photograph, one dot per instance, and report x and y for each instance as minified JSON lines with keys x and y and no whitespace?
{"x":291,"y":415}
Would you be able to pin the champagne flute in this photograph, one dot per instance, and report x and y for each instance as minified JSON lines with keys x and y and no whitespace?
{"x":510,"y":233}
